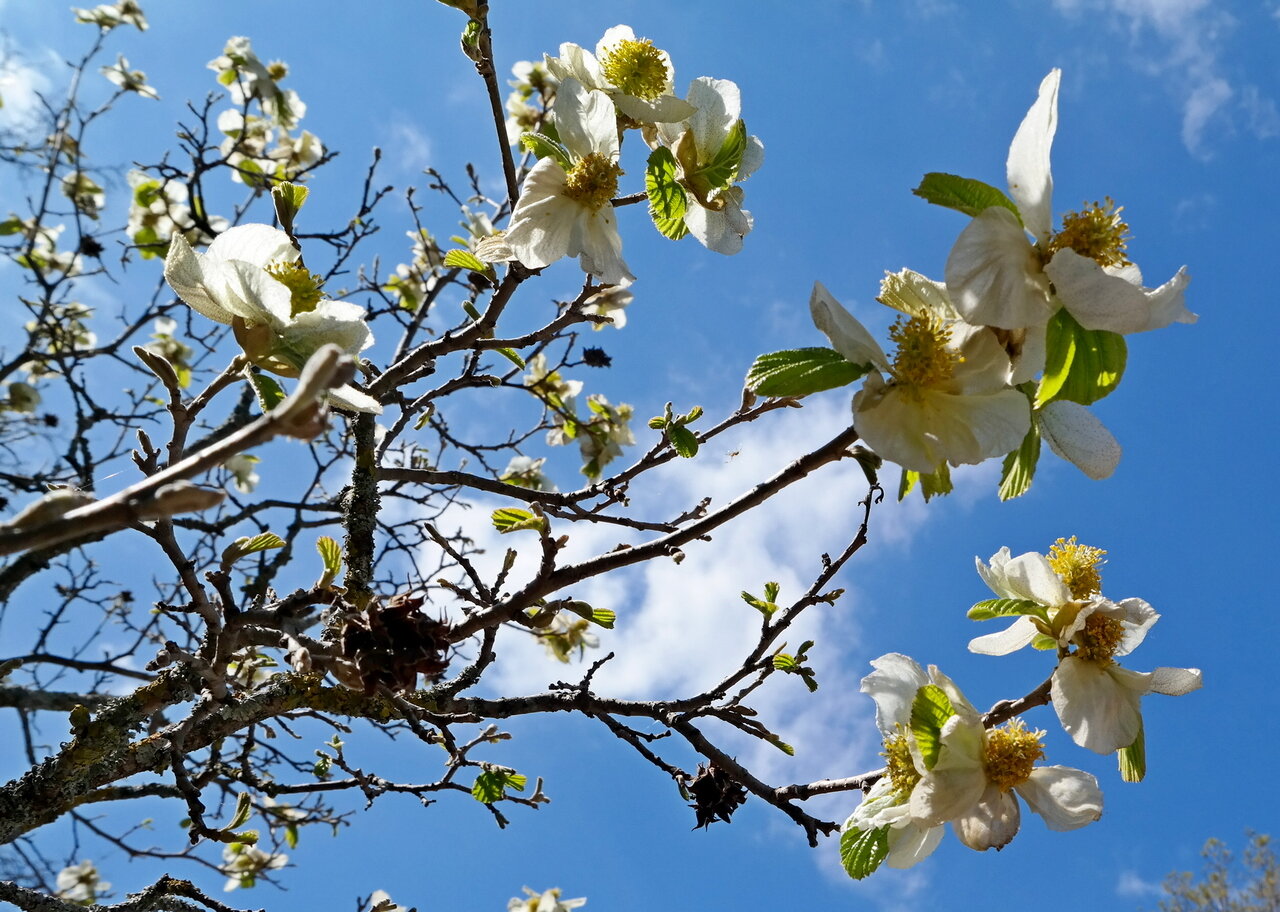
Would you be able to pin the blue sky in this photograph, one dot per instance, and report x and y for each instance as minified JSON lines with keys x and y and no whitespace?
{"x":1169,"y":106}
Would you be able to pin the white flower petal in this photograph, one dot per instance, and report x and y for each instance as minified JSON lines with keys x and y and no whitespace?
{"x":260,"y":245}
{"x":1075,"y":434}
{"x":1017,"y":635}
{"x":1167,"y":304}
{"x":849,"y":337}
{"x":722,"y":230}
{"x":910,"y":845}
{"x":196,"y":280}
{"x":349,"y":398}
{"x":1027,"y":168}
{"x":1027,"y":576}
{"x":663,"y":109}
{"x":1138,"y":618}
{"x":595,"y":238}
{"x":1096,"y":299}
{"x":893,"y":685}
{"x":993,"y":275}
{"x":1066,"y":798}
{"x":991,"y":823}
{"x":543,"y":218}
{"x":957,"y":781}
{"x":1099,"y":705}
{"x":1175,"y":682}
{"x":585,"y":120}
{"x":719,"y":104}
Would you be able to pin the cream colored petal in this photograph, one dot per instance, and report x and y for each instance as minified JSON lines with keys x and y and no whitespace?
{"x":849,"y":337}
{"x":543,"y":219}
{"x":595,"y":238}
{"x":1138,"y":618}
{"x":917,"y":296}
{"x":719,"y":105}
{"x":1099,"y":300}
{"x":1017,"y":635}
{"x":991,"y":823}
{"x":1027,"y":168}
{"x":721,"y":231}
{"x":1099,"y":706}
{"x":259,"y":245}
{"x":586,"y":121}
{"x":1175,"y":682}
{"x":196,"y":281}
{"x":663,"y":109}
{"x":957,"y":781}
{"x":1030,"y":576}
{"x":993,"y":275}
{"x":1066,"y":798}
{"x":912,"y":844}
{"x":893,"y":685}
{"x":1075,"y":434}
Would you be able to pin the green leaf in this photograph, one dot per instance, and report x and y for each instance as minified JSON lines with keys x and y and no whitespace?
{"x":1081,"y":365}
{"x":291,"y":835}
{"x":511,"y":355}
{"x":801,"y":371}
{"x":267,"y":390}
{"x":781,"y":745}
{"x":931,"y":484}
{"x":514,"y":519}
{"x":962,"y":194}
{"x":722,"y":170}
{"x":1007,"y":607}
{"x":243,"y":547}
{"x":11,"y":225}
{"x":771,"y":591}
{"x":604,"y":617}
{"x":1020,"y":466}
{"x":244,"y":809}
{"x":862,"y":851}
{"x":1133,"y":759}
{"x":542,"y":146}
{"x":784,"y":662}
{"x":683,"y":441}
{"x":668,"y":201}
{"x":465,"y":259}
{"x":288,"y":198}
{"x":1044,"y":642}
{"x":492,"y":784}
{"x":765,"y":606}
{"x":331,"y":555}
{"x":929,"y":710}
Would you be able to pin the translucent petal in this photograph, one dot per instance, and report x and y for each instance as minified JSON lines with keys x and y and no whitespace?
{"x":1027,"y":168}
{"x":1014,"y":637}
{"x":719,"y":104}
{"x":1075,"y":434}
{"x":1066,"y":798}
{"x":723,"y":230}
{"x":993,"y":274}
{"x":195,"y":281}
{"x":849,"y":337}
{"x":910,"y":845}
{"x":1099,"y":705}
{"x":893,"y":685}
{"x":991,"y":823}
{"x":1175,"y":682}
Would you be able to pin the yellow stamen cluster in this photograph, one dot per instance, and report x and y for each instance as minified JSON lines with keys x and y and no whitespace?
{"x":304,"y":286}
{"x":898,"y":763}
{"x":1077,"y":566}
{"x":1011,"y":753}
{"x":593,"y":181}
{"x":923,"y":359}
{"x":1099,"y":639}
{"x":1096,"y":232}
{"x":636,"y":67}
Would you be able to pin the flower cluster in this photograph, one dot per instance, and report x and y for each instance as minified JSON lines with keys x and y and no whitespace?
{"x":262,"y":148}
{"x":1025,"y":332}
{"x":947,"y":763}
{"x":159,"y":209}
{"x":699,"y":152}
{"x":81,"y":884}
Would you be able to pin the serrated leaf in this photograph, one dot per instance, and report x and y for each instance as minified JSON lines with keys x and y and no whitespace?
{"x":801,"y":371}
{"x":862,"y":851}
{"x":763,"y":606}
{"x":492,"y":785}
{"x":1019,"y":466}
{"x":604,"y":617}
{"x":465,"y":259}
{"x":266,"y":389}
{"x":784,"y":662}
{"x":331,"y":556}
{"x":683,"y":441}
{"x":1007,"y":607}
{"x":242,"y":547}
{"x":722,"y":170}
{"x":930,"y":709}
{"x":771,"y":591}
{"x":668,"y":201}
{"x":514,"y":519}
{"x":543,"y":146}
{"x":931,"y":484}
{"x":1081,"y":365}
{"x":963,"y":194}
{"x":1133,"y":759}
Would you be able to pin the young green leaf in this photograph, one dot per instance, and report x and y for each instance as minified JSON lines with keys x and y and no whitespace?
{"x":929,"y":710}
{"x":801,"y":371}
{"x":244,"y":809}
{"x":931,"y":484}
{"x":765,"y":606}
{"x":465,"y":259}
{"x":511,"y":355}
{"x":1133,"y":759}
{"x":242,"y":547}
{"x":513,"y":519}
{"x":963,"y":194}
{"x":266,"y":389}
{"x":668,"y":201}
{"x":862,"y":851}
{"x":683,"y":441}
{"x":331,"y":556}
{"x":492,"y":784}
{"x":722,"y":170}
{"x":1007,"y":607}
{"x":1081,"y":365}
{"x":542,"y":146}
{"x":1020,"y":466}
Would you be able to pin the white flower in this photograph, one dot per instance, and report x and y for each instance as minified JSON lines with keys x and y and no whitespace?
{"x":159,"y":208}
{"x":129,"y":80}
{"x":998,"y":277}
{"x":977,"y":773}
{"x":526,"y":472}
{"x":108,"y":15}
{"x":242,"y":472}
{"x":251,"y":278}
{"x":602,"y":437}
{"x":81,"y":884}
{"x":380,"y":901}
{"x":947,"y":397}
{"x":547,"y":901}
{"x":245,"y":862}
{"x":610,"y":302}
{"x":637,"y":76}
{"x":714,"y":215}
{"x":564,"y":207}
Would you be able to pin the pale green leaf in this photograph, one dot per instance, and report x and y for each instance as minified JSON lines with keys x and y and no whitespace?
{"x":465,"y":259}
{"x":862,"y":851}
{"x":801,"y":371}
{"x":1020,"y":466}
{"x":668,"y":201}
{"x":929,"y":710}
{"x":1007,"y":607}
{"x":963,"y":194}
{"x":1133,"y":759}
{"x":542,"y":146}
{"x":514,"y":519}
{"x":1081,"y":365}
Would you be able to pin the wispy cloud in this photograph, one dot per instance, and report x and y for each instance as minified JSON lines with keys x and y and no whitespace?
{"x":408,"y":147}
{"x":21,"y":84}
{"x":1184,"y":42}
{"x":1131,"y":884}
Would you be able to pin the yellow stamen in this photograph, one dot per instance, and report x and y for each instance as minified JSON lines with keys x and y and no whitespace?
{"x":901,"y":768}
{"x":1096,"y":232}
{"x":1010,"y":753}
{"x":636,"y":68}
{"x":923,"y":359}
{"x":593,"y":181}
{"x":1077,"y":566}
{"x":1099,"y":639}
{"x":304,"y":286}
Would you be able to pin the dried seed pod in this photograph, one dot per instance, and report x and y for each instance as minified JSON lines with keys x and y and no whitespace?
{"x":389,"y":645}
{"x":715,"y":795}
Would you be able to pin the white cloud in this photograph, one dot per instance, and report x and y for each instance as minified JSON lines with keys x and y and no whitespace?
{"x":20,"y":85}
{"x":1133,"y":885}
{"x":409,"y":147}
{"x":1202,"y":108}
